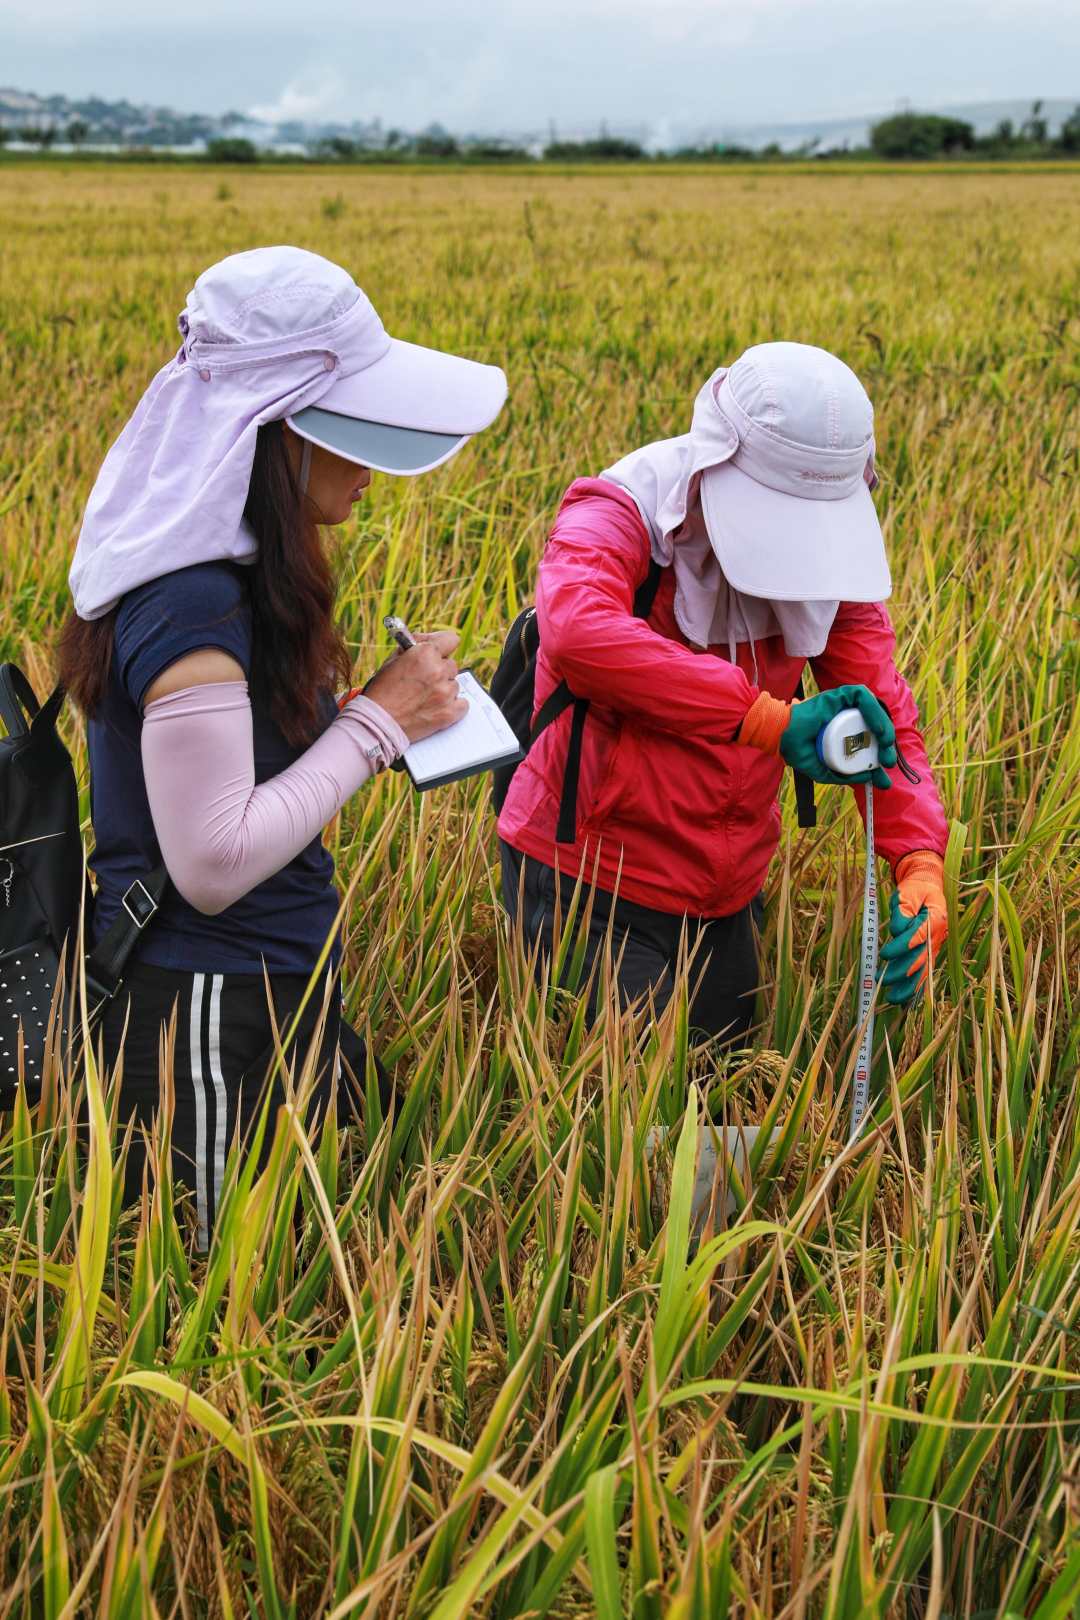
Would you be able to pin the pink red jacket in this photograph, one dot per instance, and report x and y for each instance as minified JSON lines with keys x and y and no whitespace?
{"x":677,"y":815}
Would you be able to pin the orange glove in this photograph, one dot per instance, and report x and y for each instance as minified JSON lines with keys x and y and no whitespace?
{"x":918,"y":919}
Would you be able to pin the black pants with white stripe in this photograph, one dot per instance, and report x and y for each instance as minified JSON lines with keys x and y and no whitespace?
{"x":224,"y":1049}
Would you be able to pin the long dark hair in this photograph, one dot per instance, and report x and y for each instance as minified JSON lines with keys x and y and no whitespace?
{"x":297,"y":650}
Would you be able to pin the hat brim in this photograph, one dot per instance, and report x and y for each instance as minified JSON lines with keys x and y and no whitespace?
{"x":409,"y":411}
{"x":787,"y":548}
{"x":404,"y":451}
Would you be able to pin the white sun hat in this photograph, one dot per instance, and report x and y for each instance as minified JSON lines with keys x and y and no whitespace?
{"x":788,"y":508}
{"x":272,"y":334}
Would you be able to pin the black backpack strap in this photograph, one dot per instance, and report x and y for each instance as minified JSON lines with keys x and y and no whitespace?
{"x":804,"y":785}
{"x":556,"y":703}
{"x":645,"y":595}
{"x":551,"y":708}
{"x":18,"y":700}
{"x":566,"y":830}
{"x":105,"y":963}
{"x":804,"y":800}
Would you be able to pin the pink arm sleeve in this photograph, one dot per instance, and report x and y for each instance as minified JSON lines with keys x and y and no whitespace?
{"x":220,"y":834}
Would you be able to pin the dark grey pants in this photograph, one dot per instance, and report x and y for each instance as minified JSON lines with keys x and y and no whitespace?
{"x":646,"y":945}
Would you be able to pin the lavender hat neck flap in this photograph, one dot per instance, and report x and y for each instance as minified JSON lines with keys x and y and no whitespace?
{"x":265,"y":333}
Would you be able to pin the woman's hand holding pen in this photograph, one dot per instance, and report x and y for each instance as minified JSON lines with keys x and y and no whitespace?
{"x":418,"y":685}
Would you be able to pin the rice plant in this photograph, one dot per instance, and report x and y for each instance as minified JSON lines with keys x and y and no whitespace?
{"x":472,"y":1359}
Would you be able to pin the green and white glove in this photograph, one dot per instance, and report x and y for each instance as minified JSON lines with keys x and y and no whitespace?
{"x":791,"y":730}
{"x":798,"y":742}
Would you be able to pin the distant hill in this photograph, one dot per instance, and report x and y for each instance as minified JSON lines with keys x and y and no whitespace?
{"x":107,"y":123}
{"x":94,"y":122}
{"x":124,"y":123}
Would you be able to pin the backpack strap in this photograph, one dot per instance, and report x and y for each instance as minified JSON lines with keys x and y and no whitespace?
{"x":551,"y":708}
{"x":566,"y":830}
{"x":105,"y":963}
{"x":645,"y":595}
{"x":804,"y":785}
{"x":18,"y":700}
{"x":553,"y":705}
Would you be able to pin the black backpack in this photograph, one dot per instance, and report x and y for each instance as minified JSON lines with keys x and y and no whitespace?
{"x":43,"y":885}
{"x":512,"y":687}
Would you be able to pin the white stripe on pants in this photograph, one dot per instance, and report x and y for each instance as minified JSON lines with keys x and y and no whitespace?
{"x":221,"y":1115}
{"x":195,"y":1041}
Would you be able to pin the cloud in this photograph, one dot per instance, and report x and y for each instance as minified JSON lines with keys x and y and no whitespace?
{"x":303,"y":100}
{"x":516,"y":65}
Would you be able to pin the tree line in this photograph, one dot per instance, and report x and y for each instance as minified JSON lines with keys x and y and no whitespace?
{"x":906,"y":136}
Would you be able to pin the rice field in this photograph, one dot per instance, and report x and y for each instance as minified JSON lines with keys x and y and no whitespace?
{"x":492,"y":1371}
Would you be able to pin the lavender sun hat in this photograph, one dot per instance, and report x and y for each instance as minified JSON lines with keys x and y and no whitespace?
{"x":272,"y":334}
{"x":788,"y":510}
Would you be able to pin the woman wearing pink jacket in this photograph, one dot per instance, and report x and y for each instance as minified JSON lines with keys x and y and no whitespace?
{"x":760,"y":528}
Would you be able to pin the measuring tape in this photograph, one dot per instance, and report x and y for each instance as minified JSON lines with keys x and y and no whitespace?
{"x":847,"y":746}
{"x":868,"y":965}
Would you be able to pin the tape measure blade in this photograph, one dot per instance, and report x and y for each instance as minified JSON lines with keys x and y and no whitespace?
{"x":868,"y":961}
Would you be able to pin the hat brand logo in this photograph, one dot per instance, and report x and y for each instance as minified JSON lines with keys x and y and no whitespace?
{"x":824,"y":477}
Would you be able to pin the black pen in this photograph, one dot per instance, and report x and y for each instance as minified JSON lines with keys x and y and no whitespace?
{"x":400,"y":632}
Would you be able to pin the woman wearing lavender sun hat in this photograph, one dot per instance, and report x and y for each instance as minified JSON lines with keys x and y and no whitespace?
{"x":755,"y":539}
{"x":204,"y":653}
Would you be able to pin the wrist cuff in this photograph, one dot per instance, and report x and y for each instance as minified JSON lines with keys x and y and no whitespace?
{"x":764,"y":723}
{"x":921,"y":863}
{"x":383,"y":740}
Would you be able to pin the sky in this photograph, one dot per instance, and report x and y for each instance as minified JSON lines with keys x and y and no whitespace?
{"x":522,"y":64}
